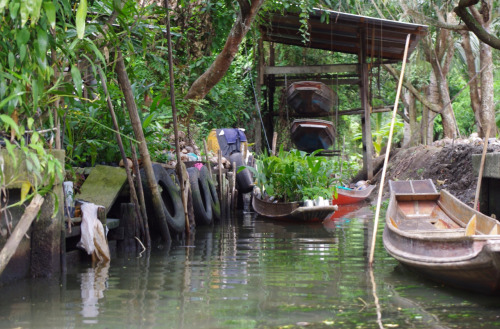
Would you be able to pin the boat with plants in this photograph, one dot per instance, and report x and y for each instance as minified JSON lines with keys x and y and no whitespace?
{"x":311,"y":98}
{"x":294,"y":186}
{"x":441,"y":237}
{"x":310,"y":135}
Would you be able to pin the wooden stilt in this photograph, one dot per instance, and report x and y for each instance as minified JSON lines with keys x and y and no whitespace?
{"x":233,"y":188}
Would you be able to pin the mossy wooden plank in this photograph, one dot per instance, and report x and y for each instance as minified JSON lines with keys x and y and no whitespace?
{"x":103,"y":185}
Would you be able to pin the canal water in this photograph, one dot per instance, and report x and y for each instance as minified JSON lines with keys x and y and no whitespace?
{"x":248,"y":272}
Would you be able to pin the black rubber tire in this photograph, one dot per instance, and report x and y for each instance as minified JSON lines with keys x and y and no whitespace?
{"x":172,"y":202}
{"x":244,"y":178}
{"x":214,"y":198}
{"x":201,"y":197}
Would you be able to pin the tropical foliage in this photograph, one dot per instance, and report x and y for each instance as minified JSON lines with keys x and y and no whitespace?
{"x":295,"y":176}
{"x":50,"y":51}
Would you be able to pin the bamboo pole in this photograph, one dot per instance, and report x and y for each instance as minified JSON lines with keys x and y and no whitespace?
{"x":133,"y":193}
{"x":179,"y":169}
{"x":140,"y":192}
{"x":126,"y":87}
{"x":388,"y":150}
{"x":481,"y":166}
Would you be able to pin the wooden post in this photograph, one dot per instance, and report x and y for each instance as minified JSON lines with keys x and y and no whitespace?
{"x":127,"y":222}
{"x":179,"y":169}
{"x":271,"y":81}
{"x":207,"y":161}
{"x":388,"y":150}
{"x":140,"y":192}
{"x":221,"y":186}
{"x":275,"y":138}
{"x":126,"y":87}
{"x":481,"y":166}
{"x":130,"y":179}
{"x":233,"y":187}
{"x":260,"y":82}
{"x":229,"y":191}
{"x":365,"y":119}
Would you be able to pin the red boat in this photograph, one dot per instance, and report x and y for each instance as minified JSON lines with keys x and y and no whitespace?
{"x":347,"y":196}
{"x":311,"y":98}
{"x":310,"y":135}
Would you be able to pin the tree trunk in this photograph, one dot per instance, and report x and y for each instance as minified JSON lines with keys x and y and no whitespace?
{"x":475,"y":100}
{"x":487,"y":113}
{"x":412,"y":115}
{"x":200,"y":88}
{"x":433,"y":96}
{"x":124,"y":82}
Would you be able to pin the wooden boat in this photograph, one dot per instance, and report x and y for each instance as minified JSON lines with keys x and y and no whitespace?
{"x":310,"y":135}
{"x":291,"y":211}
{"x":348,"y":196}
{"x":442,"y":238}
{"x":311,"y":98}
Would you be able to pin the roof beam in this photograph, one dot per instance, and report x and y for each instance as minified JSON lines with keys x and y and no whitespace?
{"x":311,"y":69}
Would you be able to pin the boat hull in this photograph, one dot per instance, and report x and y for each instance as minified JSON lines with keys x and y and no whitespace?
{"x":428,"y":233}
{"x":291,"y":211}
{"x":311,"y":98}
{"x":310,"y":135}
{"x":345,"y":197}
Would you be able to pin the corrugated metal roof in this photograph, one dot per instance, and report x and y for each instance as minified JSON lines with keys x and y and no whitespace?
{"x":385,"y":39}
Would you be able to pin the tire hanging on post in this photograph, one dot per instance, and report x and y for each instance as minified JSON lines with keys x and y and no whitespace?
{"x":172,"y":203}
{"x":202,"y":199}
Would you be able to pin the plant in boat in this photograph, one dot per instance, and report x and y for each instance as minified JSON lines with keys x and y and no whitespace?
{"x":295,"y":176}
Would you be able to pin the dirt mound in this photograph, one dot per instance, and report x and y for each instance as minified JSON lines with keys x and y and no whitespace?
{"x":448,"y":163}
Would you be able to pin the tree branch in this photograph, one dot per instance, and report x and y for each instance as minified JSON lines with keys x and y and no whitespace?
{"x":474,"y":25}
{"x":422,"y":99}
{"x":431,"y":21}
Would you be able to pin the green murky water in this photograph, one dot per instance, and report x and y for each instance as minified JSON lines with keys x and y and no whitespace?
{"x":250,"y":273}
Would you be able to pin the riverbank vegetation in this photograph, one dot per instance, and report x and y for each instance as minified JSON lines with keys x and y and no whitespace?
{"x":51,"y":53}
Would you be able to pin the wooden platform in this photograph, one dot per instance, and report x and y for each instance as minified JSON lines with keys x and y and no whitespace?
{"x":103,"y":185}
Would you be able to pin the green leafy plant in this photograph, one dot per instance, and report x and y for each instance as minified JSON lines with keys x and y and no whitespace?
{"x":42,"y":168}
{"x":295,"y":175}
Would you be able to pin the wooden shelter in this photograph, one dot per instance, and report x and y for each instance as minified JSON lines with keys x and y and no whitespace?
{"x":383,"y":41}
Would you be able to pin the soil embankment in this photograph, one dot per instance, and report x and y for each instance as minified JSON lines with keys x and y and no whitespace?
{"x":448,"y":163}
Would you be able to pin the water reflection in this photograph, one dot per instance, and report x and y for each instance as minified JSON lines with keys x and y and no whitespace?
{"x":93,"y":284}
{"x":249,"y":272}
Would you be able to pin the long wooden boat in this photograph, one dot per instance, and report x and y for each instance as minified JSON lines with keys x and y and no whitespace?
{"x":310,"y":135}
{"x":311,"y":98}
{"x":442,"y":238}
{"x":348,"y":196}
{"x":291,"y":211}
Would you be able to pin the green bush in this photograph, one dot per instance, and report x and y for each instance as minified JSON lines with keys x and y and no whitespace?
{"x":294,"y":176}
